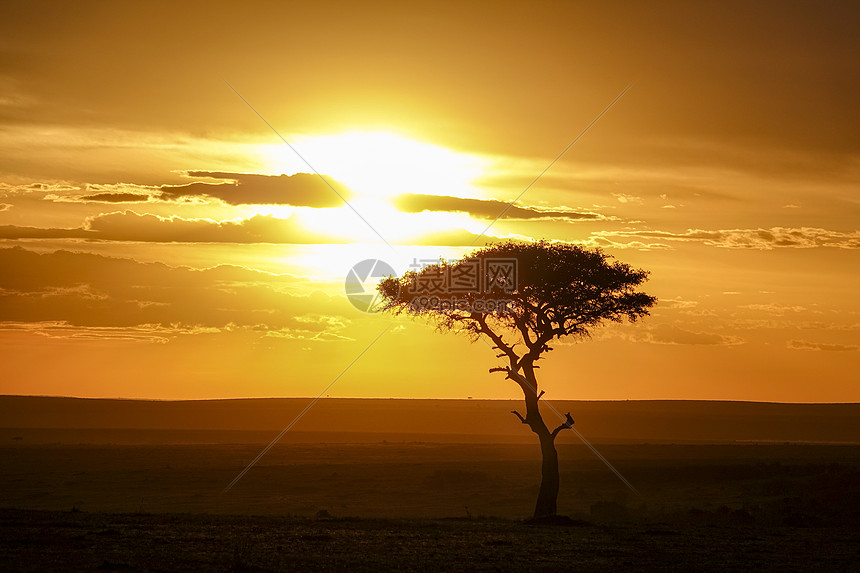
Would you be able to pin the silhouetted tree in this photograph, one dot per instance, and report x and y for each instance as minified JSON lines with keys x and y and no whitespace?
{"x":523,"y":296}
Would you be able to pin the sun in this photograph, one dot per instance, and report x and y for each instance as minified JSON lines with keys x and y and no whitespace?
{"x":381,"y":219}
{"x":380,"y":163}
{"x":377,"y":166}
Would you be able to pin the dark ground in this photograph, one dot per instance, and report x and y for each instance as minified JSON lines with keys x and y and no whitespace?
{"x":79,"y":541}
{"x":426,"y":507}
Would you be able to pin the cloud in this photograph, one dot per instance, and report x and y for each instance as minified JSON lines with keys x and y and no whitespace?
{"x":774,"y":308}
{"x":669,"y":334}
{"x":677,"y":302}
{"x":132,"y":226}
{"x":764,"y":239}
{"x":485,"y":208}
{"x":604,"y":241}
{"x":321,"y":320}
{"x":105,"y":193}
{"x":299,"y":190}
{"x":17,"y":232}
{"x":149,"y":333}
{"x":114,"y":198}
{"x":804,"y":345}
{"x":625,"y":198}
{"x":103,"y":297}
{"x":41,"y":190}
{"x":159,"y":334}
{"x":299,"y":334}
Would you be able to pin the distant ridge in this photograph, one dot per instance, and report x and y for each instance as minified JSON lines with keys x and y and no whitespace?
{"x":683,"y":421}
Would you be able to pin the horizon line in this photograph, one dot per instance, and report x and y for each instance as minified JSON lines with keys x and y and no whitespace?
{"x":401,"y":398}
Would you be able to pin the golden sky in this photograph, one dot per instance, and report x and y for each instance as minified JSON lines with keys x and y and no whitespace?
{"x":158,"y":239}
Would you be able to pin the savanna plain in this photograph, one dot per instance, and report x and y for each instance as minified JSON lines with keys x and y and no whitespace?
{"x":149,"y":493}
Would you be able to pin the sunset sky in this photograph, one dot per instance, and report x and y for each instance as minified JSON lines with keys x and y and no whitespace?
{"x":159,"y":240}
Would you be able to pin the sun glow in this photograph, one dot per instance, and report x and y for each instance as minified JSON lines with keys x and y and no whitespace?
{"x":381,"y":164}
{"x":378,"y":216}
{"x":377,"y":166}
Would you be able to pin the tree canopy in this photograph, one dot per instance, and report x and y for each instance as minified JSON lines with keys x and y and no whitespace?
{"x":536,"y":291}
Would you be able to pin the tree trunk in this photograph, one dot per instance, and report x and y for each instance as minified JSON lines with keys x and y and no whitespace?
{"x":548,"y":494}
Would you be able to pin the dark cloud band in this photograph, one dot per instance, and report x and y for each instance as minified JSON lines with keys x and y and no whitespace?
{"x":485,"y":208}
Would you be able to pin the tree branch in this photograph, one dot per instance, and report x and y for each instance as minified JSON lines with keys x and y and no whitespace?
{"x":566,"y":426}
{"x":520,"y":322}
{"x":520,"y":416}
{"x":497,"y":340}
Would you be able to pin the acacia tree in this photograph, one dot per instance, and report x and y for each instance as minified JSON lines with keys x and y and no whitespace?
{"x":523,"y":296}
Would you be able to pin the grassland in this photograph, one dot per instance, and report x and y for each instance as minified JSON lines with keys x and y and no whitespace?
{"x":136,"y":499}
{"x":426,"y":507}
